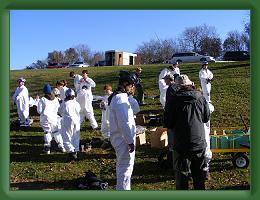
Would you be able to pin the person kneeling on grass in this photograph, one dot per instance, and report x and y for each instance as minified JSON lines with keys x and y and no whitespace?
{"x":70,"y":111}
{"x":48,"y":109}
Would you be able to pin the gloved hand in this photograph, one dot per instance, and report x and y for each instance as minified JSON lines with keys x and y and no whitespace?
{"x":131,"y":147}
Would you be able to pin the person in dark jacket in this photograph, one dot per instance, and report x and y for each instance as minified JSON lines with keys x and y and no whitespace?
{"x":139,"y":87}
{"x":187,"y":113}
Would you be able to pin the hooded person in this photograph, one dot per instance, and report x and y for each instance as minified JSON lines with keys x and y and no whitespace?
{"x":21,"y":99}
{"x":123,"y":130}
{"x":206,"y":77}
{"x":172,"y":69}
{"x":190,"y":111}
{"x":48,"y":107}
{"x":85,"y":97}
{"x":70,"y":111}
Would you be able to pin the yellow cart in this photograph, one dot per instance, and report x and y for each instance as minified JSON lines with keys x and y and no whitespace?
{"x":236,"y":144}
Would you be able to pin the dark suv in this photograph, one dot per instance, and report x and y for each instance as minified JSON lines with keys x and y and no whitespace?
{"x":236,"y":55}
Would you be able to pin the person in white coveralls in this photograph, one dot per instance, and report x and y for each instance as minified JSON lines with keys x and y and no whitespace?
{"x":133,"y":102}
{"x":123,"y":130}
{"x":48,"y":107}
{"x":105,"y":131}
{"x":85,"y":97}
{"x":21,"y":99}
{"x":76,"y":80}
{"x":206,"y":77}
{"x":208,"y":153}
{"x":172,"y":69}
{"x":70,"y":111}
{"x":63,"y":89}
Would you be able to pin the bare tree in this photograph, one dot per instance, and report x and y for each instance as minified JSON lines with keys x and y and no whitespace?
{"x":95,"y":57}
{"x":233,"y":42}
{"x":84,"y":52}
{"x":156,"y":51}
{"x":192,"y":38}
{"x":71,"y":55}
{"x":55,"y":57}
{"x":210,"y":46}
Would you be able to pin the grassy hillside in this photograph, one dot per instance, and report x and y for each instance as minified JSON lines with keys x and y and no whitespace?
{"x":30,"y":169}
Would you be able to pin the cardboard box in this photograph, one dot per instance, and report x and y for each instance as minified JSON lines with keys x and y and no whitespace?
{"x":140,"y":139}
{"x":159,"y":138}
{"x":140,"y":119}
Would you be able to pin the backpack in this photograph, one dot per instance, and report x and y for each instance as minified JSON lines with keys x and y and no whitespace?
{"x":91,"y":182}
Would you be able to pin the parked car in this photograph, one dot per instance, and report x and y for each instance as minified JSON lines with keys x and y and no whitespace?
{"x":190,"y":57}
{"x":236,"y":55}
{"x":100,"y":63}
{"x":79,"y":64}
{"x":57,"y":65}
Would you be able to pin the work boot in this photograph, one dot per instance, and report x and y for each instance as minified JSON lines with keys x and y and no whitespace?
{"x":106,"y":144}
{"x":72,"y":156}
{"x":47,"y":149}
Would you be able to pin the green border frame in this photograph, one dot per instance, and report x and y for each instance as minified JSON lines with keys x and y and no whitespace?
{"x":7,"y":5}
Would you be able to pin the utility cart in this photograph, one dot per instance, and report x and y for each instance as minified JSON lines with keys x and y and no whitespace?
{"x":235,"y":142}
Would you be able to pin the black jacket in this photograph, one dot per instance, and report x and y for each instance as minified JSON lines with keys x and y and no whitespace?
{"x":188,"y":111}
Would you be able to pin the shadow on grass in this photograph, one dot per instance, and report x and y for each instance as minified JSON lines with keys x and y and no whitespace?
{"x":237,"y":187}
{"x":44,"y":185}
{"x":31,"y":140}
{"x":57,"y":184}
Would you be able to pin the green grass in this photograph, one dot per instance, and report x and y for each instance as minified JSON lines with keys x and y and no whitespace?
{"x":30,"y":169}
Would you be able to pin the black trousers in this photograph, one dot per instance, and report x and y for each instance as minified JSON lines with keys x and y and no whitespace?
{"x":186,"y":164}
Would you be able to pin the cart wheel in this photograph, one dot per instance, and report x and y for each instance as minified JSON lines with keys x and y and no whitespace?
{"x":240,"y":160}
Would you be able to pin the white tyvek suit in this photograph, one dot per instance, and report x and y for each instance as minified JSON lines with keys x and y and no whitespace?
{"x":162,"y":85}
{"x":208,"y":153}
{"x":204,"y":75}
{"x":21,"y":98}
{"x":70,"y":125}
{"x":85,"y":97}
{"x":62,"y":92}
{"x":50,"y":121}
{"x":76,"y":82}
{"x":122,"y":133}
{"x":134,"y":104}
{"x":105,"y":130}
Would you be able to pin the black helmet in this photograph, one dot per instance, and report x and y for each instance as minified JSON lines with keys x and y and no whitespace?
{"x":126,"y":76}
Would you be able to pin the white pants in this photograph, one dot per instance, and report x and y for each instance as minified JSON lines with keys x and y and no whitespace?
{"x":23,"y":114}
{"x":208,"y":153}
{"x":163,"y":88}
{"x":105,"y":130}
{"x":52,"y":131}
{"x":124,"y":166}
{"x":71,"y":135}
{"x":57,"y":137}
{"x":206,"y":89}
{"x":90,"y":116}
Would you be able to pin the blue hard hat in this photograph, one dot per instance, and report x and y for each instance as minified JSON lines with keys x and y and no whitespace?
{"x":47,"y":89}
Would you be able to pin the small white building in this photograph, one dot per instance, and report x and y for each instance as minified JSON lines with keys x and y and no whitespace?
{"x":115,"y":58}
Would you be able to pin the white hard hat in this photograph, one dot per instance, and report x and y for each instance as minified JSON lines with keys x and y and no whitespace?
{"x":21,"y":79}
